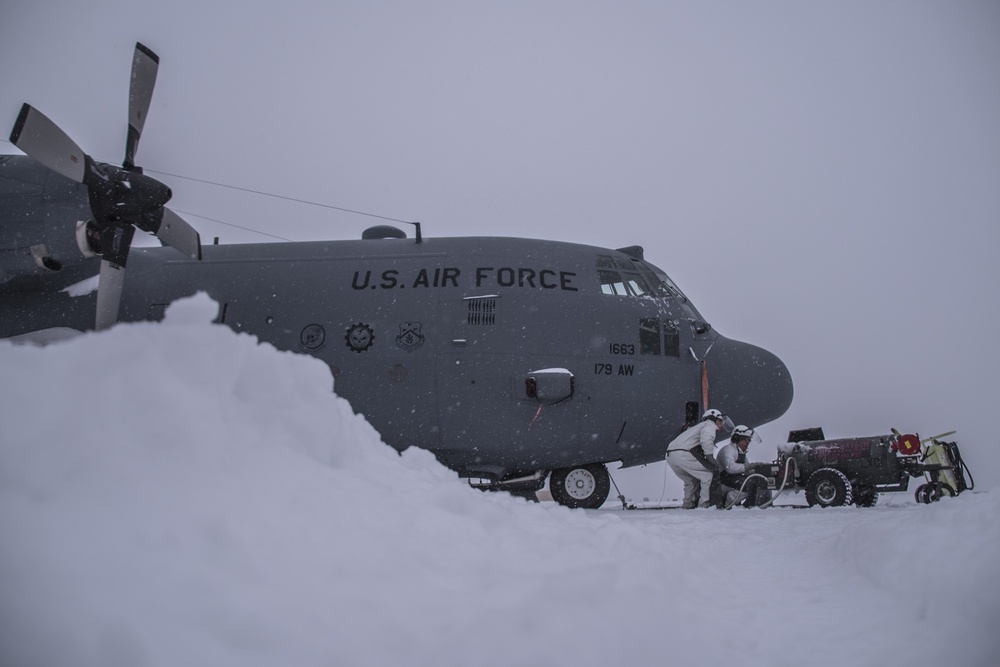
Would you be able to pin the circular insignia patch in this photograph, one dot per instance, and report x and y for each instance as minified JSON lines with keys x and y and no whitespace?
{"x":359,"y":337}
{"x":312,"y":338}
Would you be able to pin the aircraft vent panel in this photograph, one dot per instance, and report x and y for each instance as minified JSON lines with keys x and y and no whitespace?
{"x":482,"y":312}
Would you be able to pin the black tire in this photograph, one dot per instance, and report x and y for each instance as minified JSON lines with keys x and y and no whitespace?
{"x":580,"y":486}
{"x":828,"y":487}
{"x":865,"y":497}
{"x":922,"y":494}
{"x":936,"y":491}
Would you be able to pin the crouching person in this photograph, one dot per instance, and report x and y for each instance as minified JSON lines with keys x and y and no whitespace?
{"x":689,"y":455}
{"x":734,"y":471}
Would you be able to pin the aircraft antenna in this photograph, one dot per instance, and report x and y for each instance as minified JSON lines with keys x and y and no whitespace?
{"x":277,"y":196}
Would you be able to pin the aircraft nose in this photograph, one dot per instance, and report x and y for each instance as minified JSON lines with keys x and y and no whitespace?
{"x":747,"y":382}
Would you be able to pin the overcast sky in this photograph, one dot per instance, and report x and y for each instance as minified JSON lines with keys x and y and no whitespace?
{"x":822,"y":179}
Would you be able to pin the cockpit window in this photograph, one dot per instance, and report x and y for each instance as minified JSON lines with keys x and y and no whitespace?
{"x":611,"y":282}
{"x":650,"y":340}
{"x":660,"y":288}
{"x":637,"y":284}
{"x":663,"y":285}
{"x":620,"y":276}
{"x":649,"y":335}
{"x":671,"y":339}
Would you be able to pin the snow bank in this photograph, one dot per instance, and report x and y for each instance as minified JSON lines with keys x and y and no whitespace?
{"x":178,"y":494}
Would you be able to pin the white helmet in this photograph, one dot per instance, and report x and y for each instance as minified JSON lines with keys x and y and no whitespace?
{"x":711,"y":413}
{"x":745,"y":433}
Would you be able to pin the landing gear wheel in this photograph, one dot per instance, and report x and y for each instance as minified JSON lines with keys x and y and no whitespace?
{"x":865,"y":497}
{"x":580,"y":486}
{"x":828,"y":487}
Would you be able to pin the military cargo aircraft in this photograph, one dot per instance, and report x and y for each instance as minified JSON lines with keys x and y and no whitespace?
{"x":512,"y":360}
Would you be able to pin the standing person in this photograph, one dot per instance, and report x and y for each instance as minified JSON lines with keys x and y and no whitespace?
{"x":734,"y":470}
{"x":689,"y":455}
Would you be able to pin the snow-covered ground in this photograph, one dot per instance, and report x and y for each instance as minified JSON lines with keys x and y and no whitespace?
{"x":178,"y":494}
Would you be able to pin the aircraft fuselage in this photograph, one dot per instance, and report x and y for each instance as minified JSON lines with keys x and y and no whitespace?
{"x":505,"y":357}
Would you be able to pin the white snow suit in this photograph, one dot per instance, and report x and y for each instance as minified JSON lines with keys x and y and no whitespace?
{"x":729,"y":460}
{"x":733,"y":470}
{"x":692,"y":470}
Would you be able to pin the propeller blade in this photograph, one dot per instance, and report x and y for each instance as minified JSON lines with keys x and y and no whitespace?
{"x":109,"y":294}
{"x":116,"y":242}
{"x":145,"y":65}
{"x":44,"y":141}
{"x":175,"y":232}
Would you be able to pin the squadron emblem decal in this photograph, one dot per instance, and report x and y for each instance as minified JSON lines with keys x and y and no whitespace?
{"x":359,"y":337}
{"x":312,"y":338}
{"x":410,"y":337}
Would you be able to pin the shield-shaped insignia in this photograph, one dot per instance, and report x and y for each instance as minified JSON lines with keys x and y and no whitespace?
{"x":409,"y":337}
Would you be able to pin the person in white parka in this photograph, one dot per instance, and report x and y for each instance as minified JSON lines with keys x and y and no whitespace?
{"x":736,"y":473}
{"x":690,"y":456}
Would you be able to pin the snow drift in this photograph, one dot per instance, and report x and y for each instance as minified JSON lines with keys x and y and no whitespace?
{"x":178,"y":494}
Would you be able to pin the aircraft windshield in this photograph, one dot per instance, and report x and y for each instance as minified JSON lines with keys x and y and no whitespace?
{"x":626,"y":277}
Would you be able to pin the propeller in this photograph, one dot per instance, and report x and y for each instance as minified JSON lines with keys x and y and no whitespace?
{"x":121,"y":198}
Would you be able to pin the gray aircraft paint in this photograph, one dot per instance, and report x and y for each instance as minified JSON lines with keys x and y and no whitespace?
{"x":509,"y":358}
{"x":434,"y":341}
